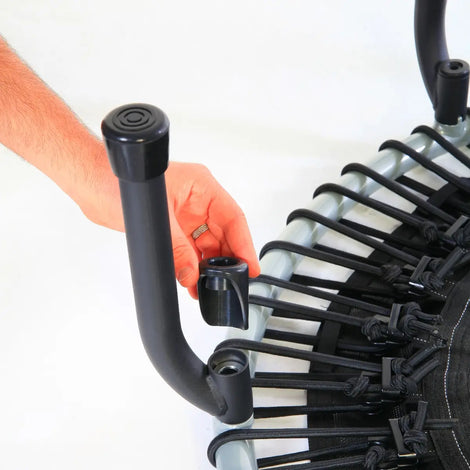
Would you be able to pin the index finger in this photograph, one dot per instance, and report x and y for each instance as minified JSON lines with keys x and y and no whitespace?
{"x":228,"y":224}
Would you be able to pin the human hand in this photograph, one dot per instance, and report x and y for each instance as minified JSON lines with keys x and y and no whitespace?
{"x":195,"y":198}
{"x":36,"y":124}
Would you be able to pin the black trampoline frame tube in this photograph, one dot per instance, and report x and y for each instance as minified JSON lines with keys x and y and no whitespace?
{"x":139,"y":157}
{"x":446,"y":80}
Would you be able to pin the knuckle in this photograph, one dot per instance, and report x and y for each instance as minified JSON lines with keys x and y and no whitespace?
{"x":180,"y":251}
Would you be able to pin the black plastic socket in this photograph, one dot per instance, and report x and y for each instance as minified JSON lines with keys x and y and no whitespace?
{"x":229,"y":369}
{"x":452,"y":91}
{"x":223,"y":292}
{"x":446,"y":79}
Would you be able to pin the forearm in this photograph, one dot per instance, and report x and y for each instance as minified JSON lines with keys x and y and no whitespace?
{"x":37,"y":125}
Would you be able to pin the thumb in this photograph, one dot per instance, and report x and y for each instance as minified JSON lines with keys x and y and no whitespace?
{"x":186,"y":260}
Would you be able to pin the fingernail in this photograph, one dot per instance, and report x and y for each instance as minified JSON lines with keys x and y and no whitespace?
{"x":184,"y":274}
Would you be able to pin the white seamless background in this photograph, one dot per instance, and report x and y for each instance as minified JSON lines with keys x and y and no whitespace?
{"x":273,"y":96}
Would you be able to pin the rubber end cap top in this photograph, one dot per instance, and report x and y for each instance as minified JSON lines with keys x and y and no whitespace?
{"x":136,"y":138}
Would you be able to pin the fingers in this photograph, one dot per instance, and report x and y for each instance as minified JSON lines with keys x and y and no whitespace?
{"x":239,"y":240}
{"x":228,"y":224}
{"x":233,"y":240}
{"x":193,"y":292}
{"x":237,"y":243}
{"x":196,"y":198}
{"x":184,"y":254}
{"x":208,"y":245}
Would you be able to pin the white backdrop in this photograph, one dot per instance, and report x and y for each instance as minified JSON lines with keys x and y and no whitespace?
{"x":273,"y":96}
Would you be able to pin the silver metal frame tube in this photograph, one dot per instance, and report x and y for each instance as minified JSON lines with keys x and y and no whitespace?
{"x":390,"y":163}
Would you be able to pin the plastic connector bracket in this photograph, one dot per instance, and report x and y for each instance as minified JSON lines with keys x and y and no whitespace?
{"x":223,"y":292}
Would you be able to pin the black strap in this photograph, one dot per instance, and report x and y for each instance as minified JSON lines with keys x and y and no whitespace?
{"x":301,"y":433}
{"x":281,"y":411}
{"x":398,"y":214}
{"x":310,"y":455}
{"x":447,"y":196}
{"x":301,"y":354}
{"x":354,"y":234}
{"x":417,"y":248}
{"x":382,"y":295}
{"x":313,"y":340}
{"x":427,"y":163}
{"x":322,"y":255}
{"x":322,"y":294}
{"x":400,"y":190}
{"x":444,"y":143}
{"x":417,"y":186}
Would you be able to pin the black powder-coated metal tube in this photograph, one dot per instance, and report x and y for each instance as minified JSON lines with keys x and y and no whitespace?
{"x":430,"y":39}
{"x":136,"y":138}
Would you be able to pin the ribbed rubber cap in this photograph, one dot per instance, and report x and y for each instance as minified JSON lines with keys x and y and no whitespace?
{"x":136,"y":138}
